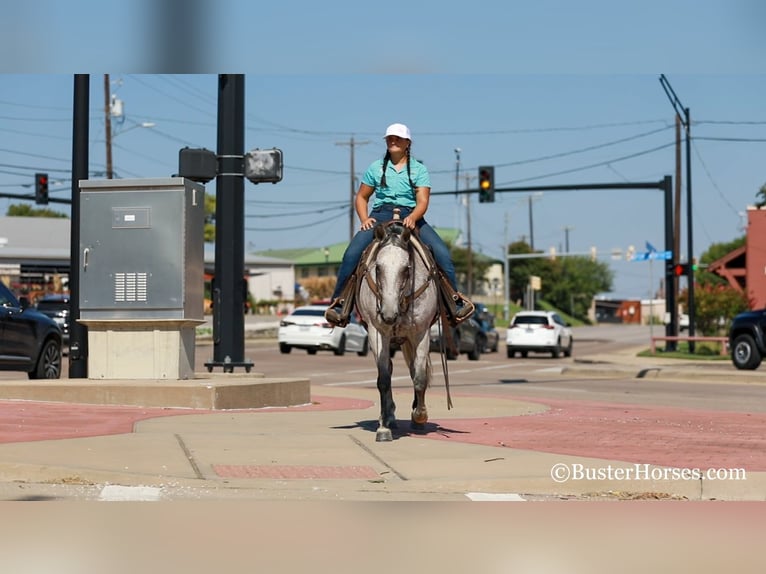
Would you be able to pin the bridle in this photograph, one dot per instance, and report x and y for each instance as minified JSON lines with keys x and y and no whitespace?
{"x":394,"y":233}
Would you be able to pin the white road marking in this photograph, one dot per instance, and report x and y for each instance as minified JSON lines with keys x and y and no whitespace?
{"x":116,"y":492}
{"x":494,"y":497}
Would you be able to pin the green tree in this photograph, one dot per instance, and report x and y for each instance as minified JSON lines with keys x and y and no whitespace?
{"x":521,"y":269}
{"x":27,"y":210}
{"x":209,"y":218}
{"x":571,"y":283}
{"x":479,"y":263}
{"x":568,"y":283}
{"x":714,"y":307}
{"x":761,"y":197}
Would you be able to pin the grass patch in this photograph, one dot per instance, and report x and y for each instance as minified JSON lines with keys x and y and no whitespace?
{"x":702,"y":352}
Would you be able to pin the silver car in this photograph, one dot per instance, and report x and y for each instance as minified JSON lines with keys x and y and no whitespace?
{"x":306,"y":328}
{"x":538,"y":332}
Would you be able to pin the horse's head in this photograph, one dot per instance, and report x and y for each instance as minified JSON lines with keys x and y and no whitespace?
{"x":393,"y":270}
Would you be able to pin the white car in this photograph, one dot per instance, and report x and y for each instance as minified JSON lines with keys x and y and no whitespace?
{"x":538,"y":332}
{"x":306,"y":328}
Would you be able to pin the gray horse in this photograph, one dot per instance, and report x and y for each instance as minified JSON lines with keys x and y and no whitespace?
{"x":398,"y":298}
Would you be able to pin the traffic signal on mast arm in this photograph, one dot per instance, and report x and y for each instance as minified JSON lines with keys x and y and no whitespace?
{"x":41,"y":188}
{"x":487,"y":184}
{"x":680,"y":269}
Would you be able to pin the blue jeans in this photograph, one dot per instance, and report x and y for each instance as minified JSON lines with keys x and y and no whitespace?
{"x":363,"y":238}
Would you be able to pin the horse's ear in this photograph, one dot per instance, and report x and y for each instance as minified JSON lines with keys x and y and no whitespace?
{"x":379,"y":232}
{"x":406,"y":234}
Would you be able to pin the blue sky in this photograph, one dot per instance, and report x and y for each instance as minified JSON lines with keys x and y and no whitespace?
{"x":546,"y":93}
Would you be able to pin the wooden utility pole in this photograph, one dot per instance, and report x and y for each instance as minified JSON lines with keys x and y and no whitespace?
{"x":352,"y":144}
{"x":469,"y":255}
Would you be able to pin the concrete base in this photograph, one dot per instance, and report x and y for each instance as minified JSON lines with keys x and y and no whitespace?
{"x":204,"y":391}
{"x":141,"y":349}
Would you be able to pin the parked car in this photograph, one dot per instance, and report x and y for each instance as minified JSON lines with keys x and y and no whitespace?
{"x":538,"y":332}
{"x":468,"y":337}
{"x":57,"y":308}
{"x":486,"y":321}
{"x":747,"y":339}
{"x":29,"y":340}
{"x":306,"y":328}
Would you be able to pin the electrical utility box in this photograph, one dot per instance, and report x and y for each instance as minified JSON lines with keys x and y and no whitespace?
{"x":141,"y":276}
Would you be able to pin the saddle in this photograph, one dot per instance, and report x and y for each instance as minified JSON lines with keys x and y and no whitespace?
{"x":448,"y":296}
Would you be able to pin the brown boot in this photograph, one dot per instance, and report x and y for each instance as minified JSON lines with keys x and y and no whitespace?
{"x":464,"y":308}
{"x":334,"y":313}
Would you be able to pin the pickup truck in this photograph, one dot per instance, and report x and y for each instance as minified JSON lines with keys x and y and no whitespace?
{"x":747,"y":340}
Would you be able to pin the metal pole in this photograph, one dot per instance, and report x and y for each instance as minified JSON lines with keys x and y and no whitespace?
{"x":531,"y":226}
{"x":690,"y":235}
{"x":351,"y":209}
{"x":108,"y":127}
{"x":78,"y":333}
{"x":229,"y":294}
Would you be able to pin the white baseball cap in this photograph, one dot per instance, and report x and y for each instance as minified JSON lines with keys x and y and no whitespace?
{"x":398,"y":130}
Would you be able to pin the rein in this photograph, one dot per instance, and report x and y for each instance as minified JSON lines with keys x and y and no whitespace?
{"x":406,"y":299}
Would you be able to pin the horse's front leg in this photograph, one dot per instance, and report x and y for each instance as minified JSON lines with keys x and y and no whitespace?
{"x":387,"y":420}
{"x":420,"y":372}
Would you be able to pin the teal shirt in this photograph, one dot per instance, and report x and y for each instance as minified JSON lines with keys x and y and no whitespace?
{"x":398,"y":190}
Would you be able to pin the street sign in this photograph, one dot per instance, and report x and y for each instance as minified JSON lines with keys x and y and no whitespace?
{"x":652,"y":255}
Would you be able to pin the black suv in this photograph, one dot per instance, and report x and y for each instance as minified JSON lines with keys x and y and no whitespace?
{"x":747,"y":339}
{"x":29,"y":341}
{"x":468,"y":337}
{"x":57,"y":308}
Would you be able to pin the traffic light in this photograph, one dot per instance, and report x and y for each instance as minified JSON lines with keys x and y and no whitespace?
{"x":487,"y":184}
{"x":680,"y":269}
{"x":41,"y":188}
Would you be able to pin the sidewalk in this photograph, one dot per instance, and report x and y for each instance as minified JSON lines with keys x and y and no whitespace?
{"x":491,"y":448}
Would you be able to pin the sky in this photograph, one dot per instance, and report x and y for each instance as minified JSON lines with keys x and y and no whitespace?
{"x":550,"y":93}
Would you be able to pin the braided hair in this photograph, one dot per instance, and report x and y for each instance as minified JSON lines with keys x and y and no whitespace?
{"x":387,"y":158}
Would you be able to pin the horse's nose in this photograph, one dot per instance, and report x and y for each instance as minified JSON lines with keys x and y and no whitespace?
{"x":389,"y":319}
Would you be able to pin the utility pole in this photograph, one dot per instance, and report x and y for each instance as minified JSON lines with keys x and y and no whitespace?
{"x":108,"y":126}
{"x":531,"y":222}
{"x":686,"y":122}
{"x":567,"y":229}
{"x":469,"y":261}
{"x":352,"y":145}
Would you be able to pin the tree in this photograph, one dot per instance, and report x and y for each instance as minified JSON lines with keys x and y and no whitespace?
{"x":715,"y":306}
{"x":26,"y":210}
{"x":571,"y":283}
{"x":761,"y":197}
{"x":520,"y":270}
{"x":480,"y":265}
{"x":209,"y":229}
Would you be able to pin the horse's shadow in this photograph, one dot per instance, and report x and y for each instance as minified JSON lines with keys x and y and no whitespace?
{"x":402,"y":429}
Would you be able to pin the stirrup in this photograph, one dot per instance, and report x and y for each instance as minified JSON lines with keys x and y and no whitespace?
{"x":464,"y":312}
{"x":334,"y":313}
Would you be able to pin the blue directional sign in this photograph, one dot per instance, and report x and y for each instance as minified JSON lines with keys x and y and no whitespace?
{"x":652,"y":255}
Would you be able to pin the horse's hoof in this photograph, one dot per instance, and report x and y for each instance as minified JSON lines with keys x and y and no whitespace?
{"x":417,"y":426}
{"x":420,"y":418}
{"x":384,"y":435}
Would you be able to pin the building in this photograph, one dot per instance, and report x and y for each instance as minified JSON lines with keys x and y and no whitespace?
{"x":744,"y":268}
